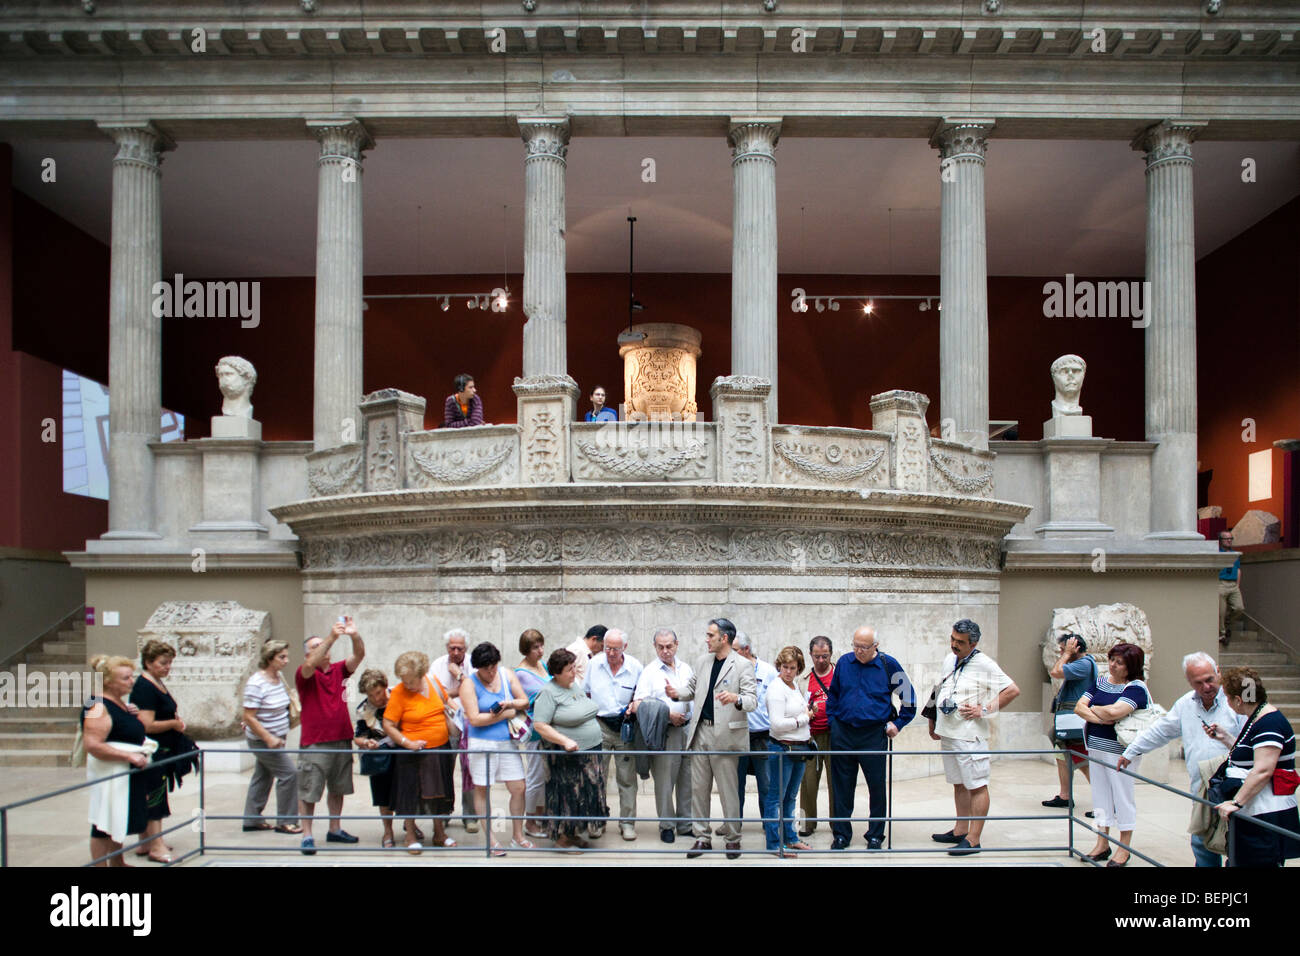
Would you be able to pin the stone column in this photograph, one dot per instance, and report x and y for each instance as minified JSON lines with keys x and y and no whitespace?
{"x":338,"y":280}
{"x":134,"y":332}
{"x":963,"y":280}
{"x":546,"y":140}
{"x":753,"y":251}
{"x":1170,"y":314}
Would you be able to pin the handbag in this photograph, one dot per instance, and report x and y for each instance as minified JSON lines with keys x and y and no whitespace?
{"x":1067,"y":726}
{"x":1285,"y":782}
{"x":1222,"y":787}
{"x":374,"y":762}
{"x":295,"y":708}
{"x":1128,"y":729}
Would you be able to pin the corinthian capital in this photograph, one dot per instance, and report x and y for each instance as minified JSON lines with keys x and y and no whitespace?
{"x":1168,"y":141}
{"x":958,"y":138}
{"x":753,"y":137}
{"x":545,"y":136}
{"x":341,"y":138}
{"x":138,"y":143}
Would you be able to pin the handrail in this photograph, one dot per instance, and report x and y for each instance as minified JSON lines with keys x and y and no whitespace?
{"x":1270,"y":632}
{"x":70,"y":616}
{"x":780,"y":820}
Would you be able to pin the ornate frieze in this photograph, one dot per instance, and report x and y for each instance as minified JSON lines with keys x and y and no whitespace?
{"x":649,"y":451}
{"x":961,"y":473}
{"x":336,"y":471}
{"x":833,"y":459}
{"x":436,"y":459}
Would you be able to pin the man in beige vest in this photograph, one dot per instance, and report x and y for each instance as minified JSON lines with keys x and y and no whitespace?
{"x":723,"y":690}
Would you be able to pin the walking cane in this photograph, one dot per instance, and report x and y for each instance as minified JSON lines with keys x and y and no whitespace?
{"x":889,"y":810}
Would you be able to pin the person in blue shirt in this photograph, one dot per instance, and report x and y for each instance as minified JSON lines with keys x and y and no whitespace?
{"x":599,"y":412}
{"x":1231,"y":606}
{"x":860,"y":708}
{"x":1076,"y":670}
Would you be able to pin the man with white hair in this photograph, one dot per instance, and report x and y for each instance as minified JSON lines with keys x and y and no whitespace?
{"x":611,"y":684}
{"x":1204,"y":704}
{"x":450,"y":670}
{"x":671,"y":772}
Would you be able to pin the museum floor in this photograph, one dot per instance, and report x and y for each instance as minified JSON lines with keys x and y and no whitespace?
{"x":53,"y":833}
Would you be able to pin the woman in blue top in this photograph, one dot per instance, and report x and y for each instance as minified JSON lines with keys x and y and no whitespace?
{"x":1103,"y":705}
{"x":532,"y":678}
{"x":1264,"y":761}
{"x":491,"y":697}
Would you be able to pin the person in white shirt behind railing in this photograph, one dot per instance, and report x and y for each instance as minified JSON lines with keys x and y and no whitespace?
{"x":671,"y":772}
{"x":790,"y":716}
{"x":1204,"y":704}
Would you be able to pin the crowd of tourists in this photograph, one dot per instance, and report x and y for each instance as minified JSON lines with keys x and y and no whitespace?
{"x":554,"y":728}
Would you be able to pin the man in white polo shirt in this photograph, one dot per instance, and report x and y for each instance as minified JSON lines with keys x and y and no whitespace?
{"x":611,"y":683}
{"x":671,"y":772}
{"x":973,"y":686}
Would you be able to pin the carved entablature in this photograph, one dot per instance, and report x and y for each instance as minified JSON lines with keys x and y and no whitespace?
{"x":834,"y":457}
{"x":487,"y":455}
{"x":336,"y":471}
{"x":960,"y":470}
{"x":646,"y":451}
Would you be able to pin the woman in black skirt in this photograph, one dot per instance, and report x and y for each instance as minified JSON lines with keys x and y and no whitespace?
{"x":565,"y":718}
{"x":378,"y":750}
{"x":106,"y":721}
{"x":163,"y":724}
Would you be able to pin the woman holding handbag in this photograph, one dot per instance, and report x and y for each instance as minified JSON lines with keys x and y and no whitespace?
{"x":267,"y":708}
{"x":492,"y":698}
{"x":788,"y":710}
{"x":377,"y":749}
{"x":415,"y":719}
{"x":1262,"y":760}
{"x":1103,"y":705}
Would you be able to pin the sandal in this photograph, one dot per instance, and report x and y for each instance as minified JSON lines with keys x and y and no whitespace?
{"x":165,"y":858}
{"x":798,"y":846}
{"x":524,"y":844}
{"x":288,"y":828}
{"x":387,"y":843}
{"x":248,"y":828}
{"x":449,"y":842}
{"x":419,"y":834}
{"x":414,"y":849}
{"x":496,"y":849}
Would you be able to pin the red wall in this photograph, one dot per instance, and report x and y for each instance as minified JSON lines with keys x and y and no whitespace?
{"x":1248,"y":356}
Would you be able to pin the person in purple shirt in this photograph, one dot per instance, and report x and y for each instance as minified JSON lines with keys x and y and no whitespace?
{"x":463,"y":408}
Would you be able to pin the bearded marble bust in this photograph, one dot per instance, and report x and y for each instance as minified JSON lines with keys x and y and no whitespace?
{"x":236,"y":378}
{"x":1067,"y":377}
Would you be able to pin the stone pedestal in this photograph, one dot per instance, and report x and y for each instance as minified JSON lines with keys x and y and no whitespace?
{"x":385,"y":416}
{"x":547,"y":403}
{"x":236,"y":426}
{"x":232,"y":498}
{"x":217,"y":647}
{"x":903,"y":414}
{"x":740,"y":404}
{"x":134,"y":331}
{"x":1068,"y":426}
{"x":1072,"y":473}
{"x":659,"y":373}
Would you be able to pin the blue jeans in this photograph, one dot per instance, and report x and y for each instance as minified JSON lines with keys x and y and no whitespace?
{"x":1203,"y":856}
{"x":753,"y":762}
{"x":782,"y":792}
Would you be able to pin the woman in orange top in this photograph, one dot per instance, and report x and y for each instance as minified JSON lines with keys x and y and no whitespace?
{"x":415,"y":719}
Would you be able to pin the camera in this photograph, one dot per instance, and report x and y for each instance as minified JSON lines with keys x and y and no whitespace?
{"x":947,"y":705}
{"x":496,"y":708}
{"x":1083,"y":645}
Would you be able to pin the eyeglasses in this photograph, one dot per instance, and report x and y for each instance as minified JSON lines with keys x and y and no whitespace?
{"x":869,"y":647}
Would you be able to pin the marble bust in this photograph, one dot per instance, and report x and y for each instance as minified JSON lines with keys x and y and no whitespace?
{"x":1067,"y":375}
{"x":236,"y":378}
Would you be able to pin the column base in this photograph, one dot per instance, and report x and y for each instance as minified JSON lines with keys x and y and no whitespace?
{"x":1175,"y":536}
{"x":1074,"y":529}
{"x":126,"y":535}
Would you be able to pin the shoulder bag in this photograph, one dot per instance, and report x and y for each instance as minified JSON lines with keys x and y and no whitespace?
{"x":1128,"y":728}
{"x":1067,"y":726}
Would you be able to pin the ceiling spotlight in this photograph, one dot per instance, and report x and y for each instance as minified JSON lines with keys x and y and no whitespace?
{"x":472,"y":303}
{"x":446,"y":304}
{"x":923,"y":306}
{"x":869,"y":308}
{"x":501,"y":303}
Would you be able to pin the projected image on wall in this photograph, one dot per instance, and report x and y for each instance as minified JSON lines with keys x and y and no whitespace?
{"x":85,"y":435}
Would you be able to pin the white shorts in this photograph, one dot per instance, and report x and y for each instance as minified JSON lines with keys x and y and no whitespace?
{"x":506,"y":762}
{"x":959,"y":766}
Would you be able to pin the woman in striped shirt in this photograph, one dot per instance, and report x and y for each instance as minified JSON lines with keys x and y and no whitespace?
{"x":266,"y":725}
{"x":1263,"y":758}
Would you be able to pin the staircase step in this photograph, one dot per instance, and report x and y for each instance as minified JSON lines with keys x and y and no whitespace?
{"x":66,"y":647}
{"x":39,"y":725}
{"x":9,"y":743}
{"x":41,"y":713}
{"x":1233,"y":658}
{"x":36,"y":758}
{"x":65,"y":661}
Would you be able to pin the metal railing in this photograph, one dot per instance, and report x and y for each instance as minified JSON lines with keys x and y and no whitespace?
{"x":489,"y":819}
{"x":1265,"y":629}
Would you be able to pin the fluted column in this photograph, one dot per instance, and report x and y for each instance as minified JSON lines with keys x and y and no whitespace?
{"x":338,"y":281}
{"x":963,"y":279}
{"x":1170,"y":314}
{"x":753,"y":251}
{"x":134,"y":332}
{"x":546,"y":140}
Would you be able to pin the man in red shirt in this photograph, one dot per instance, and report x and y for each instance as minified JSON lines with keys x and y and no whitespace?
{"x":326,"y":731}
{"x":819,"y":681}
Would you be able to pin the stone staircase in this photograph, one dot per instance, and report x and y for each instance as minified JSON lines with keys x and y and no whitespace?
{"x":43,"y":736}
{"x":1277,"y":668}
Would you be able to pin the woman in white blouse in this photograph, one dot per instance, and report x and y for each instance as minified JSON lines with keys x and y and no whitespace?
{"x":787,"y":707}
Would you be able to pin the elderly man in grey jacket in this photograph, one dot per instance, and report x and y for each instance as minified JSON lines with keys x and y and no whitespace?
{"x":671,"y":771}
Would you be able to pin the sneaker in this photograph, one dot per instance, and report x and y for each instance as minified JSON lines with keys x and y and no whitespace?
{"x":308,"y":846}
{"x":628,"y":831}
{"x":596,"y":830}
{"x":1056,"y":803}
